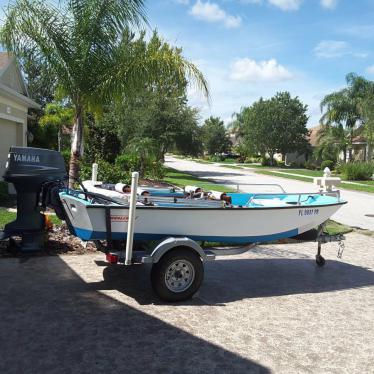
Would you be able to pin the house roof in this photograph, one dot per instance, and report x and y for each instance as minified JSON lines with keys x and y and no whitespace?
{"x":359,"y":139}
{"x":12,"y":83}
{"x":4,"y":60}
{"x":313,"y":136}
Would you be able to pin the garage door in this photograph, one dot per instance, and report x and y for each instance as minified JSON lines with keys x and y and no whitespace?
{"x":8,"y":137}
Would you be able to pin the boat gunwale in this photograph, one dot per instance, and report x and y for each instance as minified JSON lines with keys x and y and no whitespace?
{"x":97,"y":206}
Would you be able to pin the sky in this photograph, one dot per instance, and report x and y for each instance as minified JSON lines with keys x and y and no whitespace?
{"x":249,"y":49}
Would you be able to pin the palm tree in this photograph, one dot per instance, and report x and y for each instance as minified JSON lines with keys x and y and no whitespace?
{"x":87,"y":45}
{"x":344,"y":108}
{"x":331,"y":141}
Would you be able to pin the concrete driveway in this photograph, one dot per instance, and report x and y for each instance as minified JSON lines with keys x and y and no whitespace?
{"x":271,"y":310}
{"x":359,"y":212}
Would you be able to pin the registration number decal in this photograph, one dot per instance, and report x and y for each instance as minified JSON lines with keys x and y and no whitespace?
{"x":308,"y":212}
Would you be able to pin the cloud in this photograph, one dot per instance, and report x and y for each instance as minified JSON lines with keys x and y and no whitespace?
{"x":246,"y":69}
{"x":211,"y":12}
{"x":286,"y":4}
{"x":335,"y":49}
{"x":370,"y":69}
{"x":358,"y":31}
{"x":329,"y":4}
{"x":331,"y":49}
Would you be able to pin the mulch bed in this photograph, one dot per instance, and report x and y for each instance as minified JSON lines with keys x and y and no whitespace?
{"x":58,"y":241}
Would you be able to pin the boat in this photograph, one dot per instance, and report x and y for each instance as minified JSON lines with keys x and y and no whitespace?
{"x":247,"y":218}
{"x":39,"y":177}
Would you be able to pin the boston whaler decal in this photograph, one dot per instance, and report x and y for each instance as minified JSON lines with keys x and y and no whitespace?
{"x":119,"y":218}
{"x":308,"y":212}
{"x":26,"y":158}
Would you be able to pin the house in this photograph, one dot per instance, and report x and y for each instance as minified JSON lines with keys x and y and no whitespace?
{"x":14,"y":104}
{"x":300,"y":159}
{"x":359,"y":151}
{"x":360,"y":148}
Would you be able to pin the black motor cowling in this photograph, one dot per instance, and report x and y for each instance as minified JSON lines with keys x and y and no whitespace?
{"x":31,"y":170}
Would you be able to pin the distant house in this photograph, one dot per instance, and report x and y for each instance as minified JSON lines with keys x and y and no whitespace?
{"x":14,"y":104}
{"x":360,"y":148}
{"x":301,"y":158}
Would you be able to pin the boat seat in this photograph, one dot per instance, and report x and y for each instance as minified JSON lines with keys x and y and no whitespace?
{"x":269,"y":202}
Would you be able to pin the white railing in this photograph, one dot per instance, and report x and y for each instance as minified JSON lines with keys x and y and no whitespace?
{"x":299,"y":194}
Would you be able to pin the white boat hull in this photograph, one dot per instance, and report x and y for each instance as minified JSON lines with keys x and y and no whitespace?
{"x":241,"y":225}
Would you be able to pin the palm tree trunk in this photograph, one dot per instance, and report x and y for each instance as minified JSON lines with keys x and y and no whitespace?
{"x":76,"y":146}
{"x":59,"y":136}
{"x":345,"y":154}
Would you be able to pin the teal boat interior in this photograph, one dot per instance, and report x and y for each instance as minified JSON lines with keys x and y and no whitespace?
{"x":239,"y":200}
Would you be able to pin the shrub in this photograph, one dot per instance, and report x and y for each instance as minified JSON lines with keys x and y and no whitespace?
{"x":107,"y":172}
{"x":148,"y":166}
{"x":357,"y":171}
{"x":128,"y":162}
{"x":280,"y":164}
{"x":4,"y":194}
{"x":217,"y":158}
{"x":327,"y":164}
{"x":338,"y":167}
{"x":66,"y":155}
{"x":265,"y":161}
{"x":253,"y":160}
{"x":310,"y":166}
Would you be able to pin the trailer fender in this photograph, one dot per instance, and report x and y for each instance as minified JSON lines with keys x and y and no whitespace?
{"x":170,"y":243}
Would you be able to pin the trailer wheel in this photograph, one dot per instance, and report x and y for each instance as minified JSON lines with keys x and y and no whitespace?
{"x":178,"y":275}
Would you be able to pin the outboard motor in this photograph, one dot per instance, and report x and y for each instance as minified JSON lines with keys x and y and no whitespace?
{"x":30,"y":170}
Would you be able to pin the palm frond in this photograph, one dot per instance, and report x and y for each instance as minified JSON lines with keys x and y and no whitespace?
{"x":137,"y":64}
{"x":32,"y":24}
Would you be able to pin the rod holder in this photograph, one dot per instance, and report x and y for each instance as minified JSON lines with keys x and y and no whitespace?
{"x":94,"y":172}
{"x":131,"y":221}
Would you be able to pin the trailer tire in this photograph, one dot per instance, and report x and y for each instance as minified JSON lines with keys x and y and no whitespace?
{"x":177,"y":275}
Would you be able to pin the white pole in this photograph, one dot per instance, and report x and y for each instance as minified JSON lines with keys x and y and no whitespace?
{"x":94,"y":172}
{"x":131,"y":222}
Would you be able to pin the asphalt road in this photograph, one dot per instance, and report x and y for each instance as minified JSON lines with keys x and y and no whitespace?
{"x":359,"y":212}
{"x":271,"y":310}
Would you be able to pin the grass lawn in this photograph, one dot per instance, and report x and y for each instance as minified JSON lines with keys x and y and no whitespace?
{"x":334,"y":228}
{"x":232,"y":166}
{"x":6,"y":217}
{"x":306,"y":172}
{"x":182,"y":179}
{"x":369,"y":185}
{"x":275,"y":174}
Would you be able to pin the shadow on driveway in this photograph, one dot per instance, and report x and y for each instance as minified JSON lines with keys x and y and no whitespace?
{"x":231,"y":280}
{"x":54,"y":322}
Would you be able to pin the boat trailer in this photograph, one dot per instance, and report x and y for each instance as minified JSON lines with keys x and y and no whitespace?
{"x":177,"y":262}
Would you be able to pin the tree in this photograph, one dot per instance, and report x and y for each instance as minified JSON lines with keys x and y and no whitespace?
{"x":160,"y":112}
{"x":188,"y":140}
{"x":87,"y":46}
{"x":331,"y":141}
{"x":56,"y":117}
{"x":215,"y":138}
{"x":345,"y":108}
{"x":277,"y":125}
{"x":368,"y":112}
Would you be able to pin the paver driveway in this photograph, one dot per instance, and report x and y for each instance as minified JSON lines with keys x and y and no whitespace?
{"x":271,"y":310}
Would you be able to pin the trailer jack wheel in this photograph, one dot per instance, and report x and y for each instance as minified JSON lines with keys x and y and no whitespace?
{"x":320,"y":260}
{"x":177,"y":275}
